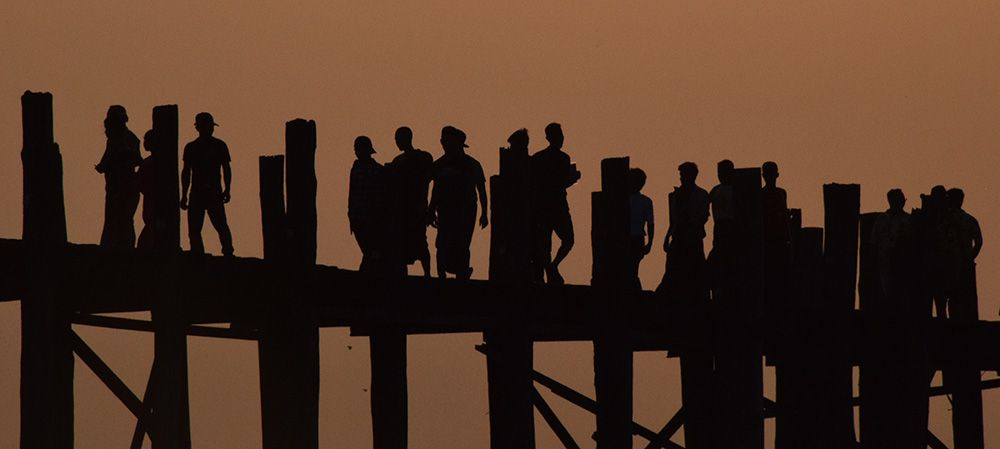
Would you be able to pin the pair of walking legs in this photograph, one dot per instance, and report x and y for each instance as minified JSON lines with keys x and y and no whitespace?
{"x":196,"y":219}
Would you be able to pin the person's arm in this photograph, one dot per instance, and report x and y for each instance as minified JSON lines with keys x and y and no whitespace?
{"x":227,"y":178}
{"x":977,"y":239}
{"x":650,"y":228}
{"x":185,"y":183}
{"x":481,"y":188}
{"x":432,"y":207}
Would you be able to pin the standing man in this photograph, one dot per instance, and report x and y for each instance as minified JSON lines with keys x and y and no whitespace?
{"x":458,"y":177}
{"x":641,"y":226}
{"x":964,"y":303}
{"x":411,"y":176}
{"x":365,"y":209}
{"x":777,"y":242}
{"x":121,"y":190}
{"x":204,"y":158}
{"x":684,"y":276}
{"x":551,"y":174}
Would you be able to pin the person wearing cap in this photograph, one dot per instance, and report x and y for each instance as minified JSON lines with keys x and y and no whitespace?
{"x":121,"y":191}
{"x":204,"y":159}
{"x":551,"y":174}
{"x":365,"y":201}
{"x":410,"y":178}
{"x":458,"y":178}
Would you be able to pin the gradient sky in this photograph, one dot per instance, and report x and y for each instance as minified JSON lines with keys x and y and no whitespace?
{"x":882,"y":93}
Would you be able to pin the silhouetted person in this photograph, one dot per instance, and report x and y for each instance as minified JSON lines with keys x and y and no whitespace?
{"x":121,"y":191}
{"x":777,"y":240}
{"x":684,"y":276}
{"x":147,"y":186}
{"x":204,"y":159}
{"x":411,"y":176}
{"x":888,"y":234}
{"x":640,"y":222}
{"x":963,"y":301}
{"x":945,"y":242}
{"x":457,"y":177}
{"x":551,"y":174}
{"x":365,"y":203}
{"x":724,"y":223}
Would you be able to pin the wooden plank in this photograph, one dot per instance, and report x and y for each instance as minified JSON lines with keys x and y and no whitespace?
{"x":167,"y":228}
{"x":112,"y":322}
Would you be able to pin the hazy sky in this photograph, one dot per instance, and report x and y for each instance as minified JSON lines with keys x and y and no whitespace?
{"x":882,"y":93}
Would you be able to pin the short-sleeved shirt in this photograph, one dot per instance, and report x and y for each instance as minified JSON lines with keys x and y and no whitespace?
{"x":411,"y":173}
{"x":640,"y":213}
{"x":774,"y":207}
{"x":551,"y":173}
{"x":206,"y":156}
{"x":970,"y":230}
{"x":688,"y":212}
{"x":365,"y":195}
{"x":455,"y":180}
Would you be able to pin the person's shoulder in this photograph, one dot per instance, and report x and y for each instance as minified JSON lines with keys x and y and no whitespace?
{"x":697,"y":190}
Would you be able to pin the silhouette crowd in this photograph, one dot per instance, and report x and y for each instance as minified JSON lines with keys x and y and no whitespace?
{"x":390,"y":207}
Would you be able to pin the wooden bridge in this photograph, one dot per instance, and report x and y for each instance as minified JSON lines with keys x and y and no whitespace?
{"x":282,"y":300}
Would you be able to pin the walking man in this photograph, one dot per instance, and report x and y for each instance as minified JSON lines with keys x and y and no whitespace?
{"x":410,"y":172}
{"x":551,"y":174}
{"x":458,"y":178}
{"x":204,"y":159}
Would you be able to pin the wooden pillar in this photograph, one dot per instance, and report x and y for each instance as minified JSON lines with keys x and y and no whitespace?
{"x":794,"y":382}
{"x":509,"y":347}
{"x":840,"y":259}
{"x":613,"y":365}
{"x":302,"y":372}
{"x":171,"y":420}
{"x":739,"y":363}
{"x":46,"y":354}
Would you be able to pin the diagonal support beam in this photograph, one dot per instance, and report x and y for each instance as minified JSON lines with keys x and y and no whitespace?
{"x":110,"y":379}
{"x":934,"y":442}
{"x":668,"y":430}
{"x":142,"y":427}
{"x":113,"y":322}
{"x":553,"y":421}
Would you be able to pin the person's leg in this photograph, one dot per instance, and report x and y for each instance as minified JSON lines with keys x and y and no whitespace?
{"x":425,"y":261}
{"x":196,"y":218}
{"x":564,"y":230}
{"x":217,"y":213}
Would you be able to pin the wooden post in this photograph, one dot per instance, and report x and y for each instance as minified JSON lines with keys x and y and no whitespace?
{"x":46,"y":354}
{"x":739,"y":363}
{"x":794,"y":420}
{"x":171,"y":420}
{"x":302,"y":373}
{"x":613,"y":365}
{"x":509,"y":347}
{"x":840,"y":259}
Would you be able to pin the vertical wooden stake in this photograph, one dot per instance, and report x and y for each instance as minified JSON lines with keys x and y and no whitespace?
{"x":46,"y":355}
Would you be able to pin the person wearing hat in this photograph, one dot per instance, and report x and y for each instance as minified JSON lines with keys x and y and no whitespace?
{"x":204,"y":159}
{"x":458,"y":178}
{"x":365,"y":203}
{"x":121,"y":191}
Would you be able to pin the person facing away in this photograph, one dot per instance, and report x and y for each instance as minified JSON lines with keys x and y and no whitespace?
{"x":204,"y":159}
{"x":641,"y":224}
{"x":942,"y":260}
{"x":551,"y":174}
{"x":147,"y":185}
{"x":889,"y":232}
{"x":723,"y":223}
{"x":458,"y":178}
{"x":411,"y":176}
{"x":684,"y":276}
{"x":777,"y":242}
{"x":365,"y":203}
{"x":121,"y":191}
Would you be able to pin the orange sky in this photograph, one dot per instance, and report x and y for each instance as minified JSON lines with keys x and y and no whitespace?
{"x":882,"y":93}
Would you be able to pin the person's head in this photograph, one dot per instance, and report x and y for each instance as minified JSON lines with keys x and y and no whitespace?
{"x":956,"y":197}
{"x":769,"y":171}
{"x":404,"y":138}
{"x":554,"y":134}
{"x":689,"y":172}
{"x":725,"y":171}
{"x":116,"y":117}
{"x":636,"y":180}
{"x":896,"y":199}
{"x":205,"y":123}
{"x":363,"y":148}
{"x":149,"y":141}
{"x":452,"y":139}
{"x":519,"y":139}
